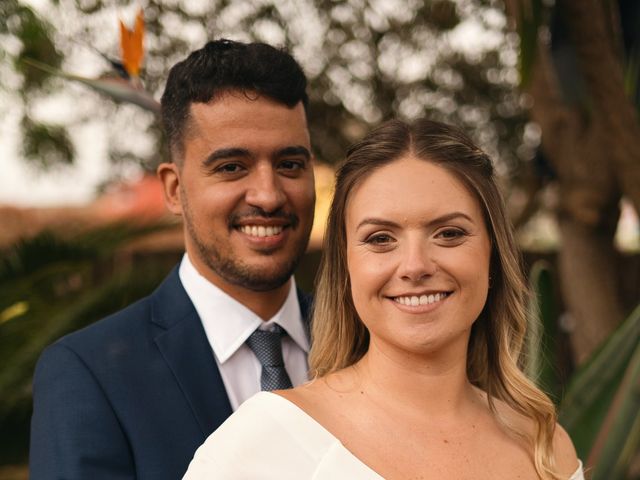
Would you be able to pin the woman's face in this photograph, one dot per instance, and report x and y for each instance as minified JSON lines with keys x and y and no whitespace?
{"x":418,"y":256}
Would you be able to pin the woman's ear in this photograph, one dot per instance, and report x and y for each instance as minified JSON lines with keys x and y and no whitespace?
{"x":169,"y":175}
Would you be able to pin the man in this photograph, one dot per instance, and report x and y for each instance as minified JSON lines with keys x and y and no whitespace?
{"x":135,"y":394}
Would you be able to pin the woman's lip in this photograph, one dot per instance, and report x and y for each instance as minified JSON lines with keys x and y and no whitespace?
{"x":418,"y":294}
{"x":421,"y":307}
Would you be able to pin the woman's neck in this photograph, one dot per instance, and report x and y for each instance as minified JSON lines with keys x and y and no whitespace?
{"x":436,"y":386}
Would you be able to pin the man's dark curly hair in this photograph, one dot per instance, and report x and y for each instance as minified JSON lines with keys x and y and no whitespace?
{"x":224,"y":65}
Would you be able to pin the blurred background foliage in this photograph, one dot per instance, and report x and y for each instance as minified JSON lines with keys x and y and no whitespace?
{"x":599,"y":402}
{"x":520,"y":76}
{"x":366,"y":61}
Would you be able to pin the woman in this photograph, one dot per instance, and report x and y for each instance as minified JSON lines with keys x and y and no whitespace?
{"x":417,"y":334}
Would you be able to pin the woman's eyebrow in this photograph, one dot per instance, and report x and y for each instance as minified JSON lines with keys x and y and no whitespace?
{"x":388,"y":223}
{"x":377,"y":222}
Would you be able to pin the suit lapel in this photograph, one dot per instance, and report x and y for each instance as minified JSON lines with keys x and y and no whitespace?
{"x":184,"y":346}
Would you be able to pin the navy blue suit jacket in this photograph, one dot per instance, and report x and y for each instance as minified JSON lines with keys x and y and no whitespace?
{"x":131,"y":396}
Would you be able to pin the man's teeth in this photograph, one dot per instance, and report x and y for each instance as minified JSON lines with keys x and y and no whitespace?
{"x":415,"y":300}
{"x":260,"y":231}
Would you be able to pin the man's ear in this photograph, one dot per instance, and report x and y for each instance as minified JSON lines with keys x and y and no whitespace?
{"x":169,"y":175}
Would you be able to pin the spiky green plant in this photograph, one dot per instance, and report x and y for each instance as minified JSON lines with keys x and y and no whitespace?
{"x":542,"y":330}
{"x":601,"y":406}
{"x":49,"y":287}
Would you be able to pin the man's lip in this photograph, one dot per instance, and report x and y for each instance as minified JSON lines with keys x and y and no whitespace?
{"x":262,"y":222}
{"x":263,"y":235}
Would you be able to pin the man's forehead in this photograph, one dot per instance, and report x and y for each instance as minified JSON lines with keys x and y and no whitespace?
{"x":239,"y":112}
{"x":240,"y":100}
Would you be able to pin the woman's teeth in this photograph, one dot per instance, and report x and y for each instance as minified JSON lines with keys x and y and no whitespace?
{"x":415,"y":300}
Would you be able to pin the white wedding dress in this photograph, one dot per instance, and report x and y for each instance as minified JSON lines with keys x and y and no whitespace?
{"x":270,"y":438}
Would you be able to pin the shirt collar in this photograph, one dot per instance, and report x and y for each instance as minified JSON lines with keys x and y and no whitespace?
{"x":227,"y":322}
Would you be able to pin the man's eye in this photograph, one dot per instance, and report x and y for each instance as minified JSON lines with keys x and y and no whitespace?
{"x":291,"y":165}
{"x":229,"y":168}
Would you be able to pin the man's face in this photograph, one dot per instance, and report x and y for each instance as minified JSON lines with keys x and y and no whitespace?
{"x":245,"y":189}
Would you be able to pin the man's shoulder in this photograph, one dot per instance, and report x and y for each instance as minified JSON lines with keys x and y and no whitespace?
{"x":128,"y":326}
{"x":124,"y":322}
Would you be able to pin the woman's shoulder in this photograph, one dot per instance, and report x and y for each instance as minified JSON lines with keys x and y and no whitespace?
{"x":267,"y":430}
{"x":565,"y":454}
{"x":324,"y":398}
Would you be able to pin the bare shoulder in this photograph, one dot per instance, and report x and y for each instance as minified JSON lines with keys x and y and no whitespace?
{"x":302,"y":395}
{"x":322,"y":398}
{"x":309,"y":396}
{"x":564,"y":452}
{"x":565,"y":456}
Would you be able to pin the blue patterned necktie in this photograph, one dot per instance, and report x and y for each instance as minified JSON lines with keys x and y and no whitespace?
{"x":267,"y":347}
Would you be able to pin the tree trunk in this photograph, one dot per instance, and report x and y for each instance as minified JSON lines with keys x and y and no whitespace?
{"x":595,"y":152}
{"x":588,"y":283}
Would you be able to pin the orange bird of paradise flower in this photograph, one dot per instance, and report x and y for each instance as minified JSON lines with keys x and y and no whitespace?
{"x":131,"y":45}
{"x":126,"y":86}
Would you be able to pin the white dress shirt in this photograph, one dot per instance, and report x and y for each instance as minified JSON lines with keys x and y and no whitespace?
{"x":228,"y":324}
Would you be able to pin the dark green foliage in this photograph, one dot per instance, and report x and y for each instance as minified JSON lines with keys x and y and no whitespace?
{"x":618,"y":440}
{"x":50,"y":287}
{"x":529,"y":26}
{"x":542,"y":332}
{"x":35,"y":35}
{"x":46,"y":145}
{"x":593,"y":387}
{"x":601,"y":406}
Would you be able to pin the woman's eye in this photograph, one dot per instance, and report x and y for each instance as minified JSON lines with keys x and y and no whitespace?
{"x":379,"y":239}
{"x":451,"y":234}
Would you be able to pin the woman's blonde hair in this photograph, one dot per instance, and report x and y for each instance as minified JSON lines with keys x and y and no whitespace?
{"x":340,"y":339}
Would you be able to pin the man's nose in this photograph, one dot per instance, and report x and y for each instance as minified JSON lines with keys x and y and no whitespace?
{"x":265,"y":190}
{"x":417,"y":261}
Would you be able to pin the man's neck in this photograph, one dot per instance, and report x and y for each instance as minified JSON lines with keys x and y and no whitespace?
{"x":264,"y":304}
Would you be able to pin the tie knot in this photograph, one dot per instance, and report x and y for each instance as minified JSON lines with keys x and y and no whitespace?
{"x":267,"y":346}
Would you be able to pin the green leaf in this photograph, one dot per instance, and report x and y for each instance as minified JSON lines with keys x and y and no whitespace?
{"x":594,"y":385}
{"x":542,"y":330}
{"x":529,"y":23}
{"x":618,"y":440}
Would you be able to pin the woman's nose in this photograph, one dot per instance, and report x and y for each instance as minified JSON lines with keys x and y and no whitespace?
{"x":417,"y":262}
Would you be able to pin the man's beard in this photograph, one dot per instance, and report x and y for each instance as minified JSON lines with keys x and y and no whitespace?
{"x":234,"y":271}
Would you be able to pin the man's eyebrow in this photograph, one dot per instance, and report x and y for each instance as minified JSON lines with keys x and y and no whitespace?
{"x":293,"y":151}
{"x":388,"y":223}
{"x":225,"y":153}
